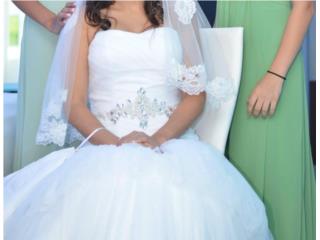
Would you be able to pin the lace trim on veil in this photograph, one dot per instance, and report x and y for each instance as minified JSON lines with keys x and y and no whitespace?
{"x":185,"y":9}
{"x":54,"y":128}
{"x":192,"y":80}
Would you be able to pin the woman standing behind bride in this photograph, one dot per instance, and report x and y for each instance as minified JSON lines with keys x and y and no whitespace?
{"x":43,"y":21}
{"x":132,"y":84}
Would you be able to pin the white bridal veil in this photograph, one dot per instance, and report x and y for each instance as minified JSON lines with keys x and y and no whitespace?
{"x":189,"y":73}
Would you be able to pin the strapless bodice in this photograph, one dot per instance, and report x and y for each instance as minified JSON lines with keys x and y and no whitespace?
{"x":128,"y":86}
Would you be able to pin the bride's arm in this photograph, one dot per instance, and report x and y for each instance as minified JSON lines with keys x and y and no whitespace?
{"x":190,"y":106}
{"x":181,"y":119}
{"x":80,"y":116}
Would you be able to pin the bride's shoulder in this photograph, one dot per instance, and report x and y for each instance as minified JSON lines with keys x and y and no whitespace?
{"x":90,"y":30}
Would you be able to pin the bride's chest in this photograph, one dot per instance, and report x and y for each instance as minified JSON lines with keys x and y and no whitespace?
{"x":117,"y":50}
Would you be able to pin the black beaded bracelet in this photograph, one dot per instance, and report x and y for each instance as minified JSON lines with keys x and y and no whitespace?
{"x":276,"y":74}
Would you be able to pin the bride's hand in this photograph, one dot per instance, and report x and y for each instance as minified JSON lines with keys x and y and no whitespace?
{"x":265,"y":96}
{"x":140,"y":138}
{"x":61,"y":18}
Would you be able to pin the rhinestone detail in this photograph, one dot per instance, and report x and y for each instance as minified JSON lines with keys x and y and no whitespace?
{"x":142,"y":108}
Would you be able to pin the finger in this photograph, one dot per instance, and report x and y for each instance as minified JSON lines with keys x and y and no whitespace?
{"x":68,"y":10}
{"x":131,"y":137}
{"x":147,"y":144}
{"x":118,"y":143}
{"x":62,"y":21}
{"x":265,"y":108}
{"x":251,"y":103}
{"x":126,"y":139}
{"x":273,"y":106}
{"x":123,"y":141}
{"x":63,"y":17}
{"x":257,"y":108}
{"x":130,"y":140}
{"x":137,"y":136}
{"x":70,"y":4}
{"x":141,"y":139}
{"x":134,"y":133}
{"x":146,"y":141}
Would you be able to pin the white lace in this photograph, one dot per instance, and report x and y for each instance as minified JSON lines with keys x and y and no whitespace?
{"x":185,"y":9}
{"x":192,"y":81}
{"x":189,"y":79}
{"x":219,"y":90}
{"x":54,"y":128}
{"x":52,"y":131}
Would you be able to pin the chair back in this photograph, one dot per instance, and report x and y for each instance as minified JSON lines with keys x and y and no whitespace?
{"x":214,"y":124}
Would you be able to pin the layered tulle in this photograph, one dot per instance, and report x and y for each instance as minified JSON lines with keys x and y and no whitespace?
{"x":187,"y":191}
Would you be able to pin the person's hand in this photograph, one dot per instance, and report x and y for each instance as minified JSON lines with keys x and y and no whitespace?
{"x":265,"y":96}
{"x":140,"y":138}
{"x":61,"y":18}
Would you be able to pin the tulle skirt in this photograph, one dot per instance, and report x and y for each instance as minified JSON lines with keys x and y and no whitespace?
{"x":185,"y":191}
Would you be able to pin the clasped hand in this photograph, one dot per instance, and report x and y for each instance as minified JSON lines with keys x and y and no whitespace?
{"x":140,"y":138}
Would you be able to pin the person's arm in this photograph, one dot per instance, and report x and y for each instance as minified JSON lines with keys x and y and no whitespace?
{"x":181,"y":119}
{"x":51,"y":21}
{"x":80,"y":116}
{"x":265,"y":96}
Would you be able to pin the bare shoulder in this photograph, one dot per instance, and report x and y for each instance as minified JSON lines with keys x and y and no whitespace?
{"x":90,"y":30}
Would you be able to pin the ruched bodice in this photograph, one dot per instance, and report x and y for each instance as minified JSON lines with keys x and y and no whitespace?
{"x":128,"y":87}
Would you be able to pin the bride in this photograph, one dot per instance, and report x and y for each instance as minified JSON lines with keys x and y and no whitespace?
{"x":129,"y":76}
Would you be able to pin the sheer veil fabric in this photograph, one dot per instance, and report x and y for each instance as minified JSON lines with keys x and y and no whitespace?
{"x":183,"y":190}
{"x":188,"y":72}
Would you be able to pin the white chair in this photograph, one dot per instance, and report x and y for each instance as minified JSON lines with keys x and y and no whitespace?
{"x":10,"y":113}
{"x":213,"y":125}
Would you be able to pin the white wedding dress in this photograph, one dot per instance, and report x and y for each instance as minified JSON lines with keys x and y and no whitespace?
{"x":186,"y":190}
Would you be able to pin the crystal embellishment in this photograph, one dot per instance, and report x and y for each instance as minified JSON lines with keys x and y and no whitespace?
{"x":142,"y":108}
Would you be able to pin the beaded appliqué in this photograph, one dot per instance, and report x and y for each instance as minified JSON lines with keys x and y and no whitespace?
{"x":185,"y":9}
{"x":141,"y":108}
